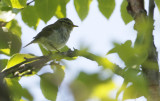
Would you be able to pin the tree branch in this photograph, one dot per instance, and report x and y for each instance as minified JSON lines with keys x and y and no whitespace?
{"x":151,"y":8}
{"x":136,"y":8}
{"x":144,"y":27}
{"x":37,"y":63}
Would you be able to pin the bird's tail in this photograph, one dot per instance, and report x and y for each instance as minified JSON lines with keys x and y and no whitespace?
{"x":29,"y":43}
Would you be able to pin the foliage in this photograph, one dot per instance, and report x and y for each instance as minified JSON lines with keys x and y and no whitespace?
{"x":106,"y":7}
{"x":125,"y":16}
{"x":85,"y":86}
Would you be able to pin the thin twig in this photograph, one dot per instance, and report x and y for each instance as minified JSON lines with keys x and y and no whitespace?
{"x":151,"y":8}
{"x":14,"y":68}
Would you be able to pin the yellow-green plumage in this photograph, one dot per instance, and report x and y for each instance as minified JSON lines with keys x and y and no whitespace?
{"x":54,"y":36}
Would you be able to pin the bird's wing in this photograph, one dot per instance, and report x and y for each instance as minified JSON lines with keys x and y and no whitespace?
{"x":46,"y":31}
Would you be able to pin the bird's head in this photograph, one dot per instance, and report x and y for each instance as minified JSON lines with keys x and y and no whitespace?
{"x":67,"y":23}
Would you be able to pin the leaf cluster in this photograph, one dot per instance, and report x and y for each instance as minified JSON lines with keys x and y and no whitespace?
{"x":85,"y":86}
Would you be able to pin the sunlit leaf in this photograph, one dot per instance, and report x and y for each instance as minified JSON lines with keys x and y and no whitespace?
{"x":17,"y":58}
{"x":46,"y":8}
{"x":5,"y":51}
{"x":158,"y":4}
{"x":9,"y":41}
{"x":106,"y":7}
{"x":16,"y":3}
{"x":103,"y":91}
{"x":14,"y":27}
{"x":59,"y":14}
{"x":50,"y":82}
{"x":85,"y":83}
{"x":61,"y":9}
{"x":124,"y":14}
{"x":82,"y":8}
{"x":30,"y":17}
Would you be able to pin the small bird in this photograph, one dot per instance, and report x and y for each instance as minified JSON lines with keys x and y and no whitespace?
{"x":54,"y":36}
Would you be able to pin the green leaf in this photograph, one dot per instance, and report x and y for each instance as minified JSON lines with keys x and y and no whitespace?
{"x":16,"y":3}
{"x":61,"y":9}
{"x":26,"y":94}
{"x":16,"y":90}
{"x":7,"y":2}
{"x":30,"y":17}
{"x":82,"y":8}
{"x":124,"y":14}
{"x":5,"y":5}
{"x":131,"y":93}
{"x":9,"y":43}
{"x":3,"y":63}
{"x":131,"y":56}
{"x":158,"y":4}
{"x":50,"y":82}
{"x":106,"y":7}
{"x":139,"y":85}
{"x":84,"y":83}
{"x":134,"y":91}
{"x":46,"y":8}
{"x":14,"y":27}
{"x":102,"y":91}
{"x":18,"y":58}
{"x":90,"y":80}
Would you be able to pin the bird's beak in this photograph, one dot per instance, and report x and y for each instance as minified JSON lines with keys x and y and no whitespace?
{"x":75,"y":26}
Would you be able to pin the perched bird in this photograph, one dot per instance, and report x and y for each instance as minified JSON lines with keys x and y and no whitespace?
{"x":54,"y":36}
